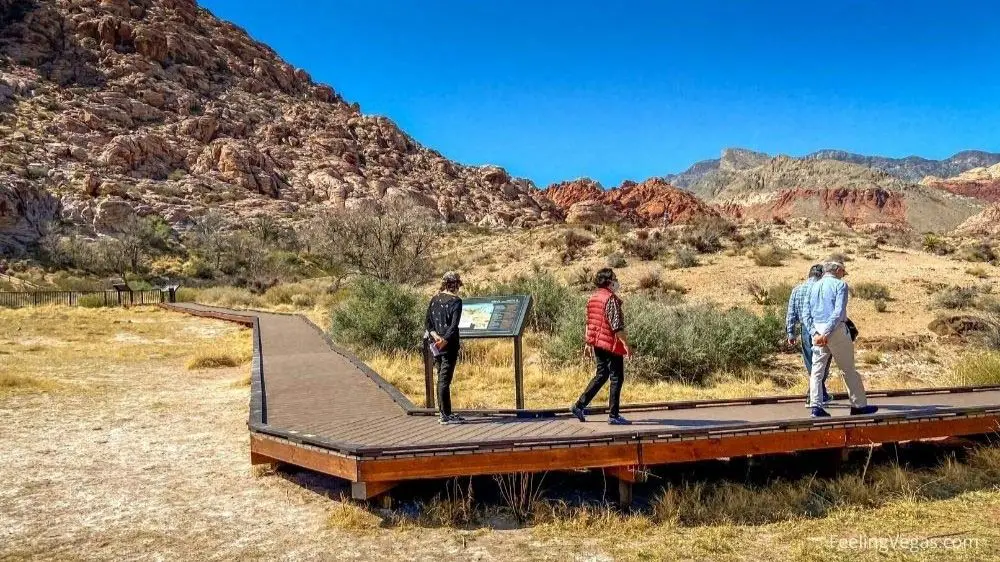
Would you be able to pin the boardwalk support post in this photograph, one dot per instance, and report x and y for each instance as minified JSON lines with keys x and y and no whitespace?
{"x":626,"y":477}
{"x":365,"y":491}
{"x":518,"y":374}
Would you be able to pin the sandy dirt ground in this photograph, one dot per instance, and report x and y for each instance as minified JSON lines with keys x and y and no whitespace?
{"x":151,"y":461}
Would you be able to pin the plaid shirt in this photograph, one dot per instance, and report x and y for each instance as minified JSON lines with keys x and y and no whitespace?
{"x":613,"y":311}
{"x":797,"y":305}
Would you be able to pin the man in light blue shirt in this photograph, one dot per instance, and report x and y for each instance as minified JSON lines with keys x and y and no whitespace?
{"x":798,"y":302}
{"x":827,"y":314}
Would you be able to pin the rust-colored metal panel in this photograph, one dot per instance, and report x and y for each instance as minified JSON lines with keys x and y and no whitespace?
{"x":291,"y":453}
{"x":664,"y":452}
{"x":928,"y":429}
{"x":499,"y":462}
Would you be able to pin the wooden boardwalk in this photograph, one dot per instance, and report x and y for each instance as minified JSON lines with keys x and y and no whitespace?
{"x":315,"y":405}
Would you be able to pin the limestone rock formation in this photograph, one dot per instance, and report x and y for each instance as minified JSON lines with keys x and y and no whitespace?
{"x":653,"y":202}
{"x":172,"y":111}
{"x":986,"y":223}
{"x":835,"y":191}
{"x":707,"y":176}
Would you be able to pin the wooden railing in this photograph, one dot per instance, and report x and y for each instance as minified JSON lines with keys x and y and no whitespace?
{"x":18,"y":299}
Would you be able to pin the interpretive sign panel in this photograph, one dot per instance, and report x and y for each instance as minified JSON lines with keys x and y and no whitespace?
{"x":494,"y":317}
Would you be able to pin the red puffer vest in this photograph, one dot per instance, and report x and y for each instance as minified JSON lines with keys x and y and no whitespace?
{"x":599,"y":334}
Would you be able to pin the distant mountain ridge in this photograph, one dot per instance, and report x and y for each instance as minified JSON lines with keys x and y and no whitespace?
{"x":700,"y":177}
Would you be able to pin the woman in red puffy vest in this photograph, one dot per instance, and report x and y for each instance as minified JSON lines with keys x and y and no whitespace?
{"x":605,"y":342}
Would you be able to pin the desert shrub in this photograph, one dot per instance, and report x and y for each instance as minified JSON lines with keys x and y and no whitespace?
{"x":680,"y":342}
{"x":978,"y":252}
{"x":706,"y":234}
{"x":646,"y":248}
{"x":870,"y":291}
{"x":685,"y":257}
{"x":583,"y":278}
{"x":768,"y":256}
{"x":812,"y":239}
{"x":616,"y":259}
{"x":549,"y":297}
{"x":955,"y":298}
{"x":975,"y":369}
{"x":753,"y":237}
{"x":393,"y":246}
{"x":197,"y":268}
{"x":935,"y":244}
{"x":177,"y":175}
{"x":881,"y":306}
{"x":772,"y":295}
{"x":573,"y":245}
{"x":977,"y":271}
{"x":380,"y":316}
{"x":650,"y":280}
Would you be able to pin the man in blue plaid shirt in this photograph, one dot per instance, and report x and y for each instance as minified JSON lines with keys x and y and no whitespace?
{"x":796,"y":317}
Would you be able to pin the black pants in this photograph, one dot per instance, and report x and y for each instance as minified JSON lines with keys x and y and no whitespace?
{"x":609,"y":366}
{"x":446,"y":370}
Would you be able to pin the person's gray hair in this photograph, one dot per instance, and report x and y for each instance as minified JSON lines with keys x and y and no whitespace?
{"x":832,"y":266}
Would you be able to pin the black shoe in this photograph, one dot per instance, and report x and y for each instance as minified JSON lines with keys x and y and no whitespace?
{"x":578,"y":412}
{"x":826,"y":397}
{"x":451,"y":419}
{"x":864,"y":410}
{"x":618,"y":420}
{"x":818,"y":412}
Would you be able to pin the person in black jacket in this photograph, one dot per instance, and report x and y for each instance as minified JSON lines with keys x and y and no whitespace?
{"x":443,"y":314}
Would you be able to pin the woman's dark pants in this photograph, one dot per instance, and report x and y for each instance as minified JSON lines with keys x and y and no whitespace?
{"x":609,"y":366}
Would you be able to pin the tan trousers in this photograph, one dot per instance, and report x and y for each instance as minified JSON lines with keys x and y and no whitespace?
{"x":840,"y":348}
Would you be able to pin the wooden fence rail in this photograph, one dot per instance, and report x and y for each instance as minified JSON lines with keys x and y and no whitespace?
{"x":18,"y":299}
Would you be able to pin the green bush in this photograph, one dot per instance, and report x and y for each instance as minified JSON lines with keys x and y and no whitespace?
{"x":549,"y":297}
{"x":379,"y":316}
{"x":870,"y":291}
{"x":684,"y":343}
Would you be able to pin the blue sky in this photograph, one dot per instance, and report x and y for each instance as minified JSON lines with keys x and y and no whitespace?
{"x":556,"y":90}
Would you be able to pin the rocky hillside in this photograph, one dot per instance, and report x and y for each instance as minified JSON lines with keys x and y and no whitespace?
{"x":109,"y":107}
{"x":837,"y":191}
{"x":986,"y":223}
{"x":979,"y":183}
{"x":653,"y":202}
{"x":703,"y":178}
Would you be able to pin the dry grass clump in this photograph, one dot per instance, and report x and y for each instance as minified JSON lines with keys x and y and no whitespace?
{"x":976,"y":369}
{"x":226,"y":352}
{"x":350,"y":516}
{"x":768,"y":256}
{"x":231,"y":297}
{"x":11,"y":383}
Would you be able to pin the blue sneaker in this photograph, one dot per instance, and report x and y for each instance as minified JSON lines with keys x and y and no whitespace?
{"x":578,"y":412}
{"x":818,"y":412}
{"x":618,"y":420}
{"x":864,"y":411}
